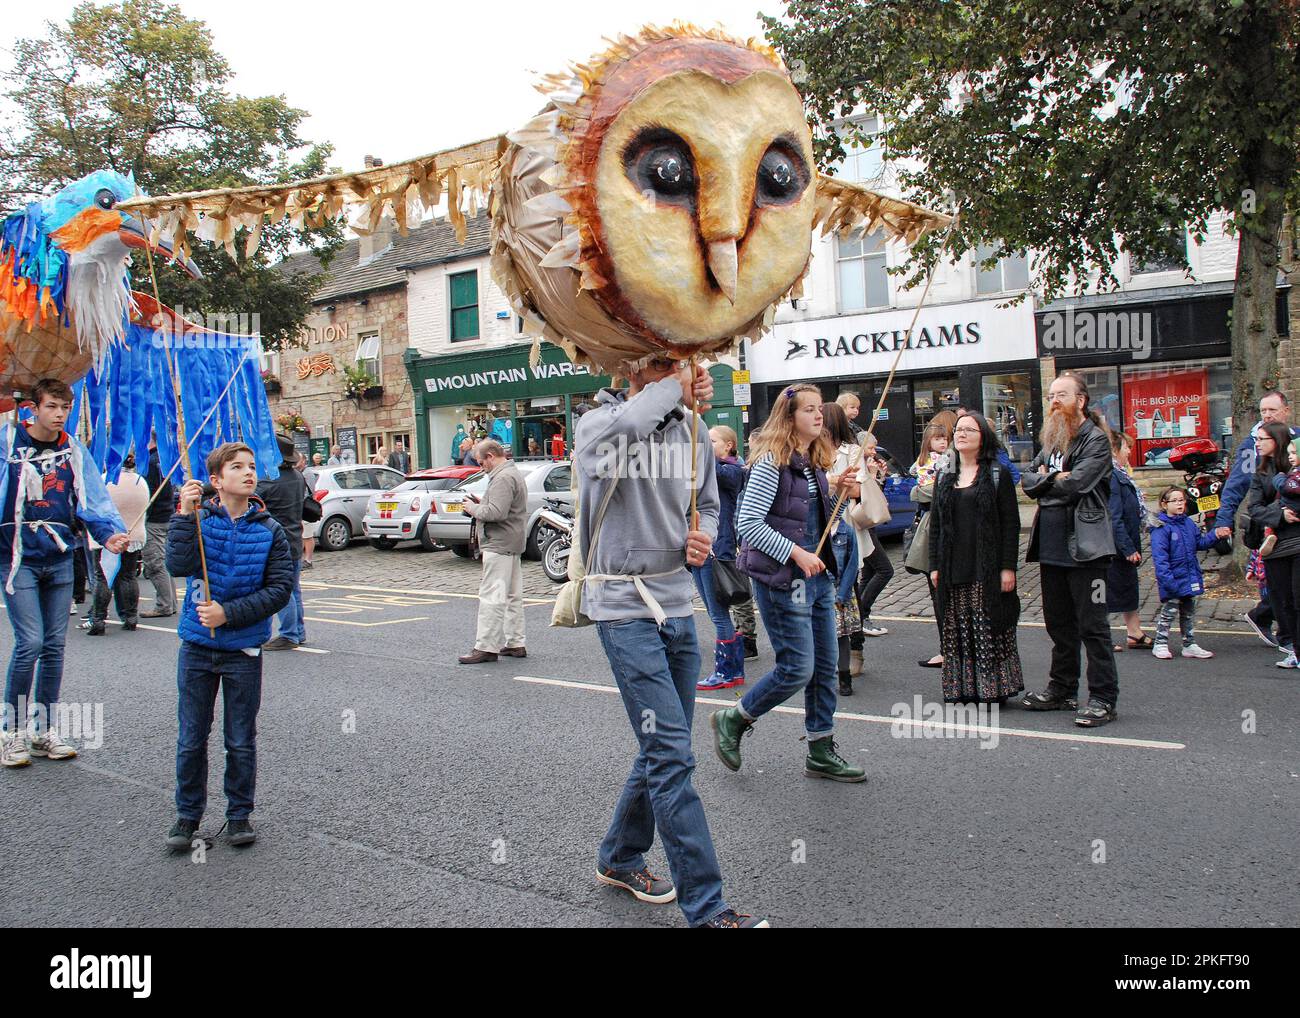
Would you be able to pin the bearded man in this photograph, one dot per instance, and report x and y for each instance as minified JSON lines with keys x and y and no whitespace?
{"x":1071,"y":539}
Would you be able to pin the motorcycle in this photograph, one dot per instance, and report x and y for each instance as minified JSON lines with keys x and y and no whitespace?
{"x":1204,"y":467}
{"x":555,"y":539}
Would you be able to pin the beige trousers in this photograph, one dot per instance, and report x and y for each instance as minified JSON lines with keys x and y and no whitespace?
{"x":500,"y":603}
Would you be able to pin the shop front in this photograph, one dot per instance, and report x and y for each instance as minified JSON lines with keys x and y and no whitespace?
{"x":973,"y":354}
{"x":1157,"y":363}
{"x":497,"y":394}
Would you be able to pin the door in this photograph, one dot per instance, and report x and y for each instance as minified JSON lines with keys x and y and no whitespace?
{"x":894,"y":426}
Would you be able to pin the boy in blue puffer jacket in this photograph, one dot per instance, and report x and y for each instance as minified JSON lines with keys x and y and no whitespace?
{"x":1174,"y":544}
{"x":251,"y":575}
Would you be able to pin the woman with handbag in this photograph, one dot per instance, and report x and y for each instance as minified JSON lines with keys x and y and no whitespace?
{"x":974,"y":545}
{"x":876,"y":570}
{"x":1267,"y":511}
{"x":718,"y":581}
{"x":933,"y":458}
{"x":844,"y":540}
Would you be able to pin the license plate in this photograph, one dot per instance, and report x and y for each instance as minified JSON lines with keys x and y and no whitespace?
{"x":451,"y":507}
{"x":1208,"y":504}
{"x":387,"y":507}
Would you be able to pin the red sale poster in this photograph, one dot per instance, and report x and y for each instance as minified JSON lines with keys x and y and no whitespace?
{"x":1162,"y":411}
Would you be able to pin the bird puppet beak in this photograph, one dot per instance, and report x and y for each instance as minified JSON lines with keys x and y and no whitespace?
{"x":133,"y":235}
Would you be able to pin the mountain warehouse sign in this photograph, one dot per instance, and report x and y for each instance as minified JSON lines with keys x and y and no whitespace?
{"x":497,"y":374}
{"x":503,"y":376}
{"x":944,"y":336}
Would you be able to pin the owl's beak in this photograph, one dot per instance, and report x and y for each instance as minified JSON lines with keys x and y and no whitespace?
{"x":723,"y":265}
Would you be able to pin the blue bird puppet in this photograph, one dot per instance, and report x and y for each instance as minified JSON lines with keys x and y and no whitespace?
{"x":65,"y":295}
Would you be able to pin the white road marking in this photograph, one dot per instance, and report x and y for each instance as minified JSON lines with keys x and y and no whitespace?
{"x":1023,"y":733}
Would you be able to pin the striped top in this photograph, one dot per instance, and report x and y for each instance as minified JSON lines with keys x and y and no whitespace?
{"x":760,"y":493}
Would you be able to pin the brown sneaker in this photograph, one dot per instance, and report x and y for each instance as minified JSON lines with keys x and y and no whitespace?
{"x":477,"y":657}
{"x":513,"y":652}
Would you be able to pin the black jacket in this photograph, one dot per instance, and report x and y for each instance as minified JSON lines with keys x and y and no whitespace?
{"x":1086,"y":491}
{"x":284,"y":497}
{"x":1264,"y":507}
{"x":997,"y":539}
{"x":1125,"y":513}
{"x":165,"y":504}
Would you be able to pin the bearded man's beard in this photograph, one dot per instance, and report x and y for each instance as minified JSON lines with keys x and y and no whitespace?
{"x":1060,"y":428}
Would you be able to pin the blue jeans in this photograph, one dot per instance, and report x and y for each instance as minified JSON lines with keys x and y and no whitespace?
{"x":38,"y":611}
{"x":717,"y":612}
{"x":845,"y":543}
{"x":199,"y":670}
{"x":292,"y":625}
{"x":801,"y":625}
{"x":656,"y":668}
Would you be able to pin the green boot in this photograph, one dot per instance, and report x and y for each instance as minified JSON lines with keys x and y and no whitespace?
{"x":825,"y":762}
{"x":728,"y":728}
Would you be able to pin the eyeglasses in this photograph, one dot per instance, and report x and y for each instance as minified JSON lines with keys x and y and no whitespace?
{"x":965,"y":431}
{"x":1061,"y":397}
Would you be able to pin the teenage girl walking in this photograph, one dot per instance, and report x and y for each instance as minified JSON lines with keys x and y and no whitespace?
{"x":785,"y":510}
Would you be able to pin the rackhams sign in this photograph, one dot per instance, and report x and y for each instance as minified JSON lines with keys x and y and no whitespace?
{"x":944,"y":336}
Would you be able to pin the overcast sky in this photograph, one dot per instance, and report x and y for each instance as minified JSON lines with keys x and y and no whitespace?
{"x":399,"y":79}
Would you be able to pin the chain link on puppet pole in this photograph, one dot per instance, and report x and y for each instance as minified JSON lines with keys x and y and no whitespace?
{"x":180,"y":427}
{"x":884,"y":394}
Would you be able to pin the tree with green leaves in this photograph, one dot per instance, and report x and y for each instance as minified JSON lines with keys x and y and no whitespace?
{"x":139,"y":88}
{"x":1077,"y":128}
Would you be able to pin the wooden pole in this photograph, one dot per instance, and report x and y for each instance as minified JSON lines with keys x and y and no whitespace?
{"x":884,"y":393}
{"x":180,"y":423}
{"x":695,"y":427}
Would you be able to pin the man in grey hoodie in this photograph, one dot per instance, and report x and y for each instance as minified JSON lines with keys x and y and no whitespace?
{"x":633,"y":454}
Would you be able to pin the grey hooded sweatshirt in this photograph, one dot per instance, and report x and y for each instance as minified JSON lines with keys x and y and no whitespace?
{"x":645,"y":442}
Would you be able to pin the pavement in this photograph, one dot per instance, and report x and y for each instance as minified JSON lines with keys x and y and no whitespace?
{"x":397,"y":788}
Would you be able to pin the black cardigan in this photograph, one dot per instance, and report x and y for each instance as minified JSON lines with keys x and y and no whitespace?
{"x":997,"y":528}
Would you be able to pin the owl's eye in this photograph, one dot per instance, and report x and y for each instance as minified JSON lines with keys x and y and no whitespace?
{"x":104,"y":198}
{"x":782,"y":176}
{"x":659,"y":162}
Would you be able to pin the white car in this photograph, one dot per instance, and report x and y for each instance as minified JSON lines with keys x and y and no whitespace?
{"x":543,"y":478}
{"x":398,"y":515}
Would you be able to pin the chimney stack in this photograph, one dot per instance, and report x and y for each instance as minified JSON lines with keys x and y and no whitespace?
{"x":382,"y":236}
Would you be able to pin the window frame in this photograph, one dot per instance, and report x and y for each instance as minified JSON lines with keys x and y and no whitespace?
{"x":452,"y":307}
{"x":864,"y":258}
{"x":377,"y":361}
{"x":981,"y":252}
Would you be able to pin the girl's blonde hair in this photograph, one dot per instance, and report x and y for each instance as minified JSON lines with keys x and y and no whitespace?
{"x":728,"y":438}
{"x":777,"y":436}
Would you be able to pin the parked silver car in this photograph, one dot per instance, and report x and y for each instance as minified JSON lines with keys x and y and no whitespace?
{"x":397,"y":515}
{"x":544,"y":479}
{"x":344,"y":492}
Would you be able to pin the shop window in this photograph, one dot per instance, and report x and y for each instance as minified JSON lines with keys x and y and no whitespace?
{"x":929,"y":397}
{"x":1009,"y":273}
{"x":864,"y":283}
{"x":368,"y":354}
{"x":1006,"y":405}
{"x":864,"y":156}
{"x":463,"y":301}
{"x":1167,"y":405}
{"x":540,"y":421}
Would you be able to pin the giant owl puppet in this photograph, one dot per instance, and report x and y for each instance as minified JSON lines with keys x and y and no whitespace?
{"x":661,"y":204}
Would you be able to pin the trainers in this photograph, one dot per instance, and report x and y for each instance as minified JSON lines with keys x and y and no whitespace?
{"x":1192,"y":650}
{"x":1162,"y":651}
{"x":824,"y":761}
{"x":13,"y":749}
{"x":181,"y":836}
{"x":240,"y":832}
{"x":733,"y":920}
{"x":1289,"y":662}
{"x":729,"y":727}
{"x":1265,"y":633}
{"x":717,"y":681}
{"x":643,"y":884}
{"x":869,"y":628}
{"x":49,"y":745}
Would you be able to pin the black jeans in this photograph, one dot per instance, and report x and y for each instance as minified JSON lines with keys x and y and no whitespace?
{"x":125,"y":592}
{"x":1074,"y":609}
{"x":1283,"y":576}
{"x":875,"y":573}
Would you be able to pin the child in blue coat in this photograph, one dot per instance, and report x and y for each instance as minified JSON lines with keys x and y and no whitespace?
{"x":1174,"y":544}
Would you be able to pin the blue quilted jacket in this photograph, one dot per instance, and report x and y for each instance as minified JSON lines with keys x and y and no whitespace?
{"x":1174,"y":545}
{"x":250,"y":571}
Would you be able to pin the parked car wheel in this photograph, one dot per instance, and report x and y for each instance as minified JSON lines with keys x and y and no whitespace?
{"x":336,"y":533}
{"x":461,"y":550}
{"x":426,"y":542}
{"x":382,"y":543}
{"x":536,"y":541}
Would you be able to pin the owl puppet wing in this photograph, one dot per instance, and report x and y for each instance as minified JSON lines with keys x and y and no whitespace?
{"x":661,"y":204}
